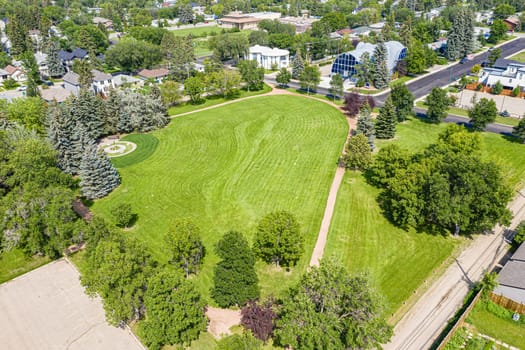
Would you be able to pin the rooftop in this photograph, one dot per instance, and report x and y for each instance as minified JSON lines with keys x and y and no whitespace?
{"x":55,"y":93}
{"x":268,"y":51}
{"x":154,"y":73}
{"x":121,"y":79}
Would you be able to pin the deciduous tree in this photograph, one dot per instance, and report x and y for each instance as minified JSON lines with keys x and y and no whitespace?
{"x":283,"y":77}
{"x":438,"y":103}
{"x":194,"y":87}
{"x":330,"y":309}
{"x":278,"y":239}
{"x":174,"y":310}
{"x":403,"y":101}
{"x":185,"y":247}
{"x":252,"y":75}
{"x":117,"y":270}
{"x":358,"y":153}
{"x":259,"y":319}
{"x":336,"y":86}
{"x":482,"y":113}
{"x":310,"y":78}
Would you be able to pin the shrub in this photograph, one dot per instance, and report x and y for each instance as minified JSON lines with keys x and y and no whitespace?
{"x":516,"y":91}
{"x":10,"y":84}
{"x":123,"y":215}
{"x":519,"y":237}
{"x":479,"y":86}
{"x":497,"y":88}
{"x":475,"y":69}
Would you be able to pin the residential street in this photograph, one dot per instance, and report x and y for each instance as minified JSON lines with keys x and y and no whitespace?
{"x":423,"y":86}
{"x":428,"y":317}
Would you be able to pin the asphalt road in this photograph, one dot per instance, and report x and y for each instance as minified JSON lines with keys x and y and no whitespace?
{"x":423,"y":86}
{"x":452,"y":118}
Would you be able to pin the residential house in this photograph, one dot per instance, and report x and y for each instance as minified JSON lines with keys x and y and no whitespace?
{"x":122,"y":79}
{"x":509,"y":73}
{"x":154,"y":74}
{"x":238,"y":20}
{"x":41,"y":61}
{"x":512,"y":22}
{"x":16,"y":73}
{"x":102,"y":82}
{"x":108,"y":24}
{"x":67,"y":57}
{"x":302,"y":24}
{"x":267,"y":57}
{"x":511,"y":282}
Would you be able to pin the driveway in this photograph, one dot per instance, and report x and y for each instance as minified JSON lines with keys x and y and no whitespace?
{"x":48,"y":309}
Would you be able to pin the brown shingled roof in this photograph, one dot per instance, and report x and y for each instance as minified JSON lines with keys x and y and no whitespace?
{"x":154,"y":73}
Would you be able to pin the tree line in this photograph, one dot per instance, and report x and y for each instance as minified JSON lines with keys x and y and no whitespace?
{"x":170,"y":311}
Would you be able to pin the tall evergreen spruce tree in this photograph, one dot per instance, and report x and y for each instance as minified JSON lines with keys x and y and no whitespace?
{"x":235,"y":278}
{"x":54,"y":67}
{"x":98,"y":176}
{"x":111,"y":113}
{"x":297,"y":65}
{"x":381,"y":73}
{"x":59,"y":132}
{"x":386,"y":121}
{"x":86,"y":110}
{"x":365,"y":124}
{"x":461,"y":35}
{"x":156,"y":109}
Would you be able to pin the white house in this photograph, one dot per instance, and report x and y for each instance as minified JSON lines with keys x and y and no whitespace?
{"x":268,"y":57}
{"x":102,"y":82}
{"x":509,"y":73}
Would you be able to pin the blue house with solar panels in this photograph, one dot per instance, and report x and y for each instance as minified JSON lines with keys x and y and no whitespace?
{"x":346,"y":63}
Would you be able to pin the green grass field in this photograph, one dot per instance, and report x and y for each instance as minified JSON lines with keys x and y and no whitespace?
{"x":519,"y":57}
{"x":14,"y":263}
{"x":228,"y":166}
{"x":197,"y":31}
{"x":504,"y":329}
{"x":415,"y":134}
{"x":186,"y":107}
{"x":146,"y":145}
{"x":398,"y":262}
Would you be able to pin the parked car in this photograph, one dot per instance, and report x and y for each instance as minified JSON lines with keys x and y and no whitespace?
{"x":485,"y":64}
{"x":463,"y":60}
{"x":505,"y":113}
{"x":21,"y":88}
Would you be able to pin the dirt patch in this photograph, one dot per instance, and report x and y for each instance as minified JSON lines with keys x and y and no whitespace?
{"x":221,"y":320}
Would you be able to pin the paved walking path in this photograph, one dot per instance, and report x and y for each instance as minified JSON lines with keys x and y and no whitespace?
{"x":420,"y":327}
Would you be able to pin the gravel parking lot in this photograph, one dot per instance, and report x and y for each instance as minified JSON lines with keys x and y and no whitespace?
{"x":48,"y":309}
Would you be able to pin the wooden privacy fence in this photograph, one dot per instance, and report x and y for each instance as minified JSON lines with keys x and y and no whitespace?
{"x":508,"y":303}
{"x":459,"y":322}
{"x":505,"y":92}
